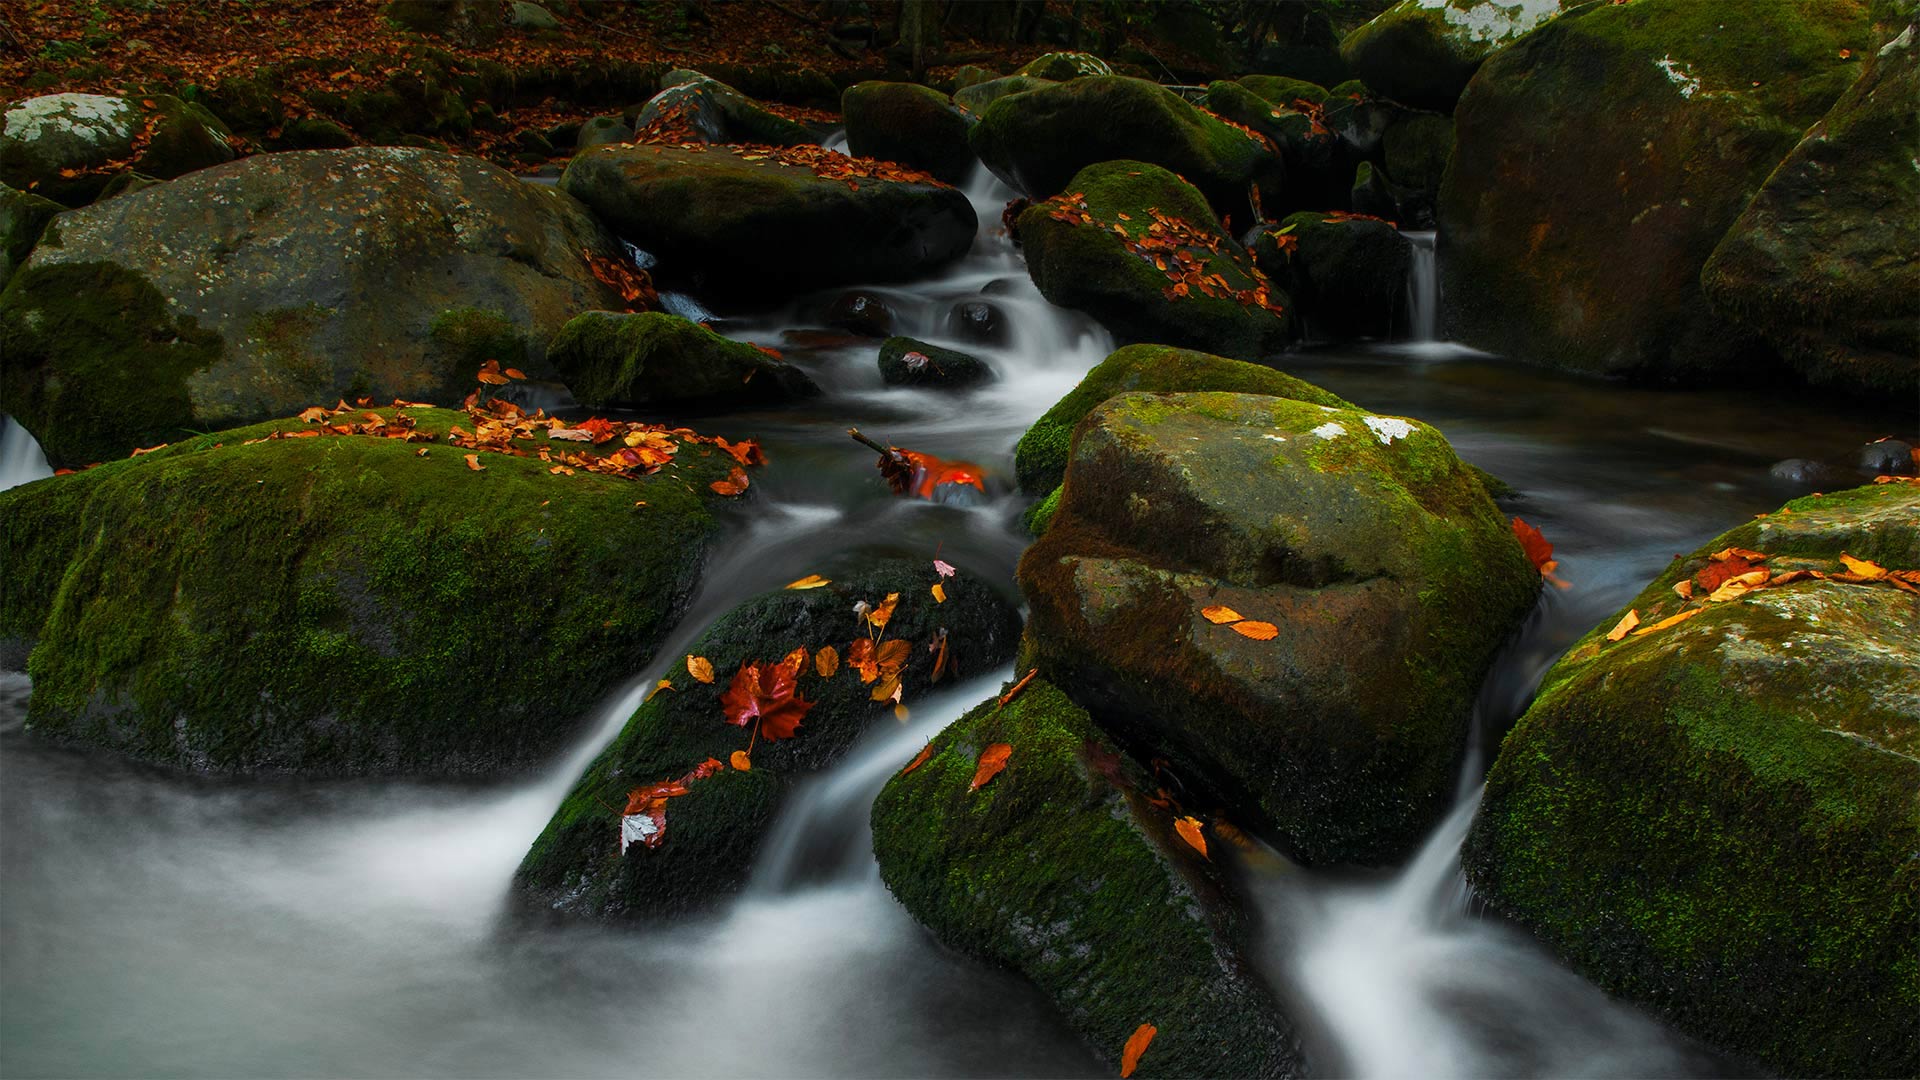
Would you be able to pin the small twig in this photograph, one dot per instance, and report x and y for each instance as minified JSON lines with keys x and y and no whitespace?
{"x":1017,"y":687}
{"x":883,"y":451}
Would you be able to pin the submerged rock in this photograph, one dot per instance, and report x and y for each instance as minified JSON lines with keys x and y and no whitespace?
{"x":652,"y":359}
{"x":979,"y":322}
{"x":1140,"y":250}
{"x":1060,"y":869}
{"x":861,"y":312}
{"x":1347,"y":275}
{"x":576,"y":869}
{"x":913,"y":125}
{"x":907,"y":362}
{"x":763,"y":228}
{"x":342,"y":604}
{"x":1717,"y":820}
{"x":1553,"y":250}
{"x":1385,"y":575}
{"x":261,"y":287}
{"x":67,"y":146}
{"x":1423,"y":52}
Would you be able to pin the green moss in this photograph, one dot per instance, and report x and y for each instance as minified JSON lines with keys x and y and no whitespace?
{"x":1059,"y":869}
{"x":1040,"y":514}
{"x":1281,"y":90}
{"x":1040,"y":458}
{"x":1062,"y":66}
{"x":469,"y":337}
{"x":913,"y":125}
{"x":654,"y":358}
{"x":342,"y":604}
{"x":23,"y":217}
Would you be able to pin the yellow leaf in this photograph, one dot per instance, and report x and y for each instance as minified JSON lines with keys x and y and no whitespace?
{"x":1870,"y":571}
{"x":1136,"y":1045}
{"x":1627,"y":622}
{"x":1258,"y":631}
{"x":879,"y":616}
{"x":1672,"y":620}
{"x":1739,"y":585}
{"x":739,"y":760}
{"x":1219,"y":613}
{"x":811,"y":581}
{"x":826,"y":661}
{"x":473,"y":462}
{"x":900,"y":713}
{"x":700,"y":668}
{"x":1189,"y":830}
{"x":939,"y":593}
{"x":663,"y":684}
{"x":887,"y":688}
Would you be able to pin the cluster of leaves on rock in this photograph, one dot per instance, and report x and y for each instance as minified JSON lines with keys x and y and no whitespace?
{"x":1172,"y":245}
{"x":1733,"y":573}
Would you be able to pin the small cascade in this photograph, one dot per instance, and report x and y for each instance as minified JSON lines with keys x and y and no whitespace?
{"x":1423,"y":289}
{"x":21,"y":460}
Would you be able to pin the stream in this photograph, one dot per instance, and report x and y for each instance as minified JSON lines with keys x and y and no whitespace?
{"x":154,"y":924}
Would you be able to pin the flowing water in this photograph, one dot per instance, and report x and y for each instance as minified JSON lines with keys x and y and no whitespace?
{"x":153,"y":924}
{"x":1423,"y":289}
{"x":21,"y":461}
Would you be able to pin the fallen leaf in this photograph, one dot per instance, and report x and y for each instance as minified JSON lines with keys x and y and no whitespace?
{"x":767,"y":694}
{"x":900,"y":712}
{"x":1671,"y":620}
{"x":1719,"y":570}
{"x":490,"y":374}
{"x":1136,"y":1045}
{"x":795,"y":661}
{"x":1189,"y":830}
{"x":939,"y":594}
{"x":1735,"y":587}
{"x":663,"y":684}
{"x":860,"y":658}
{"x":473,"y":462}
{"x":1627,"y":622}
{"x":811,"y":581}
{"x":734,"y":484}
{"x":1219,"y":613}
{"x":1258,"y":631}
{"x":919,"y":759}
{"x":992,"y":760}
{"x":514,"y":373}
{"x":739,"y":760}
{"x":827,"y":661}
{"x":890,"y":656}
{"x":1538,"y":551}
{"x":1869,"y":570}
{"x":879,"y":616}
{"x":888,"y":688}
{"x":700,"y":668}
{"x":1017,"y":687}
{"x":943,"y":568}
{"x":1684,"y":589}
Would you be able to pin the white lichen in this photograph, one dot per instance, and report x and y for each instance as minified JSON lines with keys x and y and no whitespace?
{"x":1492,"y":21}
{"x":1388,"y":428}
{"x":1677,"y":73}
{"x":94,"y":117}
{"x":1329,"y":430}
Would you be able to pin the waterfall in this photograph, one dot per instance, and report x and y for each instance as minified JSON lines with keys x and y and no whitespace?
{"x":1423,"y":289}
{"x":21,"y":461}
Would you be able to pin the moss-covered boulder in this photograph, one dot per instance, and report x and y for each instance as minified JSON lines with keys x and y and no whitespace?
{"x":759,"y":228}
{"x":1600,"y":159}
{"x":711,"y":111}
{"x":1281,"y":90}
{"x":67,"y":146}
{"x":1423,"y":52}
{"x":266,"y":285}
{"x":1718,"y":820}
{"x":1384,"y":575}
{"x":905,"y":361}
{"x":1313,"y":168}
{"x":1821,"y":263}
{"x":911,"y":124}
{"x":23,"y":217}
{"x":602,"y":131}
{"x":1138,"y":249}
{"x":1347,"y":275}
{"x":1415,"y":149}
{"x":1040,"y":458}
{"x":1037,"y":141}
{"x":652,"y":359}
{"x":977,"y":97}
{"x":1064,"y":66}
{"x":1060,"y":869}
{"x":576,"y":869}
{"x":343,"y":604}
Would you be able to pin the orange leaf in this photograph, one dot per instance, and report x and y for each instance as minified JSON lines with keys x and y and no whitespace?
{"x":1720,"y":570}
{"x":1672,"y":620}
{"x":663,"y":684}
{"x":700,"y":668}
{"x":1735,"y":587}
{"x":1627,"y":622}
{"x":891,"y":656}
{"x":811,"y":581}
{"x":1219,"y":613}
{"x":1869,"y":570}
{"x":879,"y":616}
{"x":992,"y":760}
{"x":1258,"y":631}
{"x":739,"y":760}
{"x":860,"y":658}
{"x":514,"y":373}
{"x":1136,"y":1045}
{"x":919,"y":759}
{"x":473,"y":462}
{"x":1017,"y":687}
{"x":900,"y":712}
{"x":1189,"y":830}
{"x":887,"y":689}
{"x":1539,"y":552}
{"x":767,"y":694}
{"x":795,"y":661}
{"x":734,"y":484}
{"x":826,"y":661}
{"x":939,"y":593}
{"x":1683,"y":589}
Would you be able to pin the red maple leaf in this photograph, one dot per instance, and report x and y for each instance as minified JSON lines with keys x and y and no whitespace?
{"x":767,"y":693}
{"x":1539,"y":551}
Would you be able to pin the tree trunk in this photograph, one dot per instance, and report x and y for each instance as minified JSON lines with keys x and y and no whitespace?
{"x":920,"y":32}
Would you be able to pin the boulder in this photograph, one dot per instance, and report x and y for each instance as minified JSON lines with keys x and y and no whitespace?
{"x":1821,"y":263}
{"x":650,"y":360}
{"x":1423,"y":52}
{"x":1347,"y":275}
{"x":1415,"y":149}
{"x":1040,"y":458}
{"x":524,"y":15}
{"x":1717,"y":820}
{"x":1037,"y":141}
{"x":343,"y":604}
{"x":1599,"y":160}
{"x":1140,"y":250}
{"x":266,"y":285}
{"x":768,"y":227}
{"x":67,"y":146}
{"x":979,"y":322}
{"x":1281,"y":90}
{"x":602,"y":131}
{"x":977,"y":97}
{"x":913,"y":125}
{"x":1313,"y":169}
{"x":1064,"y":66}
{"x":907,"y":362}
{"x":691,"y":107}
{"x":23,"y":218}
{"x":576,"y":870}
{"x":1059,"y":868}
{"x":1375,"y":566}
{"x":862,"y":312}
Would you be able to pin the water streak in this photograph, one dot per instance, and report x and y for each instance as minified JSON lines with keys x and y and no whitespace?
{"x":21,"y":461}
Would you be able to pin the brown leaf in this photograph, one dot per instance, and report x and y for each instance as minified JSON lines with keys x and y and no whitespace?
{"x":1683,"y":589}
{"x":1627,"y":622}
{"x":1258,"y":631}
{"x":891,"y":656}
{"x":826,"y":661}
{"x":1136,"y":1045}
{"x":886,"y":689}
{"x":1539,"y":552}
{"x":1189,"y":830}
{"x":1735,"y":587}
{"x":1870,"y":570}
{"x":700,"y":668}
{"x":992,"y":760}
{"x":1220,"y":613}
{"x":919,"y":759}
{"x":1017,"y":687}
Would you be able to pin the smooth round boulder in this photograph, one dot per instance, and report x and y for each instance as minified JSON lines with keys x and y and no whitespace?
{"x":279,"y":281}
{"x":1715,"y":818}
{"x":1281,"y":90}
{"x":976,"y":97}
{"x":978,"y":322}
{"x":914,"y":125}
{"x":1293,"y":603}
{"x":691,"y":107}
{"x":907,"y":362}
{"x":602,"y":131}
{"x":1347,"y":275}
{"x":67,"y":146}
{"x":861,"y":312}
{"x":1422,"y":52}
{"x":1415,"y":150}
{"x":754,"y":225}
{"x":653,"y":359}
{"x":1064,"y":66}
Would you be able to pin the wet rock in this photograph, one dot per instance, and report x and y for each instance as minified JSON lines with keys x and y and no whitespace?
{"x":978,"y":322}
{"x":602,"y":131}
{"x":1064,"y":66}
{"x":763,"y":228}
{"x":1386,"y":572}
{"x":1715,"y":821}
{"x":1821,"y":263}
{"x":1037,"y":141}
{"x":23,"y":218}
{"x":907,"y":362}
{"x":1372,"y":195}
{"x":913,"y":125}
{"x":861,"y":312}
{"x":977,"y":97}
{"x":1313,"y":169}
{"x":1423,"y":52}
{"x":1348,"y":276}
{"x":575,"y":869}
{"x":1086,"y":265}
{"x":1416,"y":148}
{"x":653,"y":359}
{"x":1811,"y":475}
{"x":1888,"y":457}
{"x":342,"y":605}
{"x":67,"y":146}
{"x":1040,"y":459}
{"x":261,"y":287}
{"x":717,"y":113}
{"x":1060,"y":869}
{"x":1555,"y":256}
{"x":1280,"y":90}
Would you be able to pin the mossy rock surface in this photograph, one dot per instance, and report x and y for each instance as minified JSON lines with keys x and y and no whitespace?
{"x":1718,"y":820}
{"x":1064,"y":66}
{"x":575,"y":870}
{"x":1601,"y":158}
{"x":1389,"y":574}
{"x":976,"y":97}
{"x":652,"y":359}
{"x":1416,"y":149}
{"x":68,"y":146}
{"x":1087,"y":265}
{"x":1059,"y":869}
{"x":1281,"y":90}
{"x":911,"y":124}
{"x":1423,"y":52}
{"x":603,"y":131}
{"x":1348,"y":276}
{"x":718,"y":113}
{"x":1037,"y":141}
{"x":23,"y":217}
{"x":905,"y":361}
{"x":1821,"y":263}
{"x":341,"y":604}
{"x":740,"y":228}
{"x":1040,"y":458}
{"x":260,"y":287}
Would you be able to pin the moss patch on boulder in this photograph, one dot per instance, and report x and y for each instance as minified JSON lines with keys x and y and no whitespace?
{"x":1348,"y":276}
{"x":651,"y":359}
{"x":913,"y":125}
{"x":905,"y":361}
